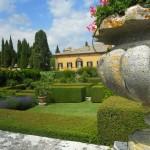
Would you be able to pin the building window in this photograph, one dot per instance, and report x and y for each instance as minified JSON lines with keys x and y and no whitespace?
{"x":97,"y":63}
{"x":79,"y":63}
{"x":69,"y":65}
{"x":89,"y":64}
{"x":60,"y":65}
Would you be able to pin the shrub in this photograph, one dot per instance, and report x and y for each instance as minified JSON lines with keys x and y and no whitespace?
{"x":91,"y":71}
{"x":32,"y":74}
{"x":69,"y":94}
{"x":11,"y":82}
{"x":17,"y":76}
{"x":94,"y":80}
{"x":118,"y":118}
{"x":99,"y":93}
{"x":28,"y":82}
{"x":18,"y":103}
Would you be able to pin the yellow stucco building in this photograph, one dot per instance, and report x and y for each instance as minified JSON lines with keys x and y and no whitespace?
{"x":73,"y":59}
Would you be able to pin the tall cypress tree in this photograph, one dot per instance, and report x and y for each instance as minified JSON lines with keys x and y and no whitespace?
{"x":24,"y":57}
{"x":2,"y":52}
{"x":41,"y":53}
{"x":57,"y":50}
{"x":19,"y":50}
{"x":12,"y":52}
{"x":7,"y":55}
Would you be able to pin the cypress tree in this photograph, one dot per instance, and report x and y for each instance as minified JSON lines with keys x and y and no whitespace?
{"x":57,"y":50}
{"x":41,"y":53}
{"x":7,"y":55}
{"x":12,"y":52}
{"x":19,"y":49}
{"x":2,"y":52}
{"x":24,"y":58}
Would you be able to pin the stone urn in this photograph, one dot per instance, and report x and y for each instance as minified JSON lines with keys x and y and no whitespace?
{"x":42,"y":100}
{"x":126,"y":68}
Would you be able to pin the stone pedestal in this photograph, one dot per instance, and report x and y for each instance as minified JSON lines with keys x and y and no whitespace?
{"x":140,"y":140}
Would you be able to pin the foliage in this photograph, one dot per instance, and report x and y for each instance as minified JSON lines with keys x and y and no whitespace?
{"x":68,"y":94}
{"x":43,"y":89}
{"x":40,"y":58}
{"x":8,"y":57}
{"x":116,"y":7}
{"x":57,"y":50}
{"x":18,"y":76}
{"x":11,"y":82}
{"x":18,"y":103}
{"x":91,"y":71}
{"x":98,"y":93}
{"x":118,"y":118}
{"x":25,"y":54}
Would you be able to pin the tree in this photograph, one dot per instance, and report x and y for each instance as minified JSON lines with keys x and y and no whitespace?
{"x":57,"y":50}
{"x":2,"y":52}
{"x":12,"y":52}
{"x":40,"y":52}
{"x":7,"y":55}
{"x":86,"y":43}
{"x":24,"y":56}
{"x":19,"y":49}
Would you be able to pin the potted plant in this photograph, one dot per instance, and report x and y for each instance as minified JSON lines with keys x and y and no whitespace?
{"x":41,"y":91}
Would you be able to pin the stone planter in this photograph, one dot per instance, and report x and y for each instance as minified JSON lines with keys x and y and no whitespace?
{"x":126,"y":69}
{"x":42,"y":100}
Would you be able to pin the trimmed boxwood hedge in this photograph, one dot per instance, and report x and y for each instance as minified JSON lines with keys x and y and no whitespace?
{"x":68,"y":94}
{"x":86,"y":85}
{"x":117,"y":118}
{"x":98,"y":93}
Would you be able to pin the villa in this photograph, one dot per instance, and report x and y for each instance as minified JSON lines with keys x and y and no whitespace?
{"x":86,"y":56}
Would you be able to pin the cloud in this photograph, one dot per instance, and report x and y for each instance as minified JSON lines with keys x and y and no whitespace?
{"x":19,"y":19}
{"x":7,"y":5}
{"x":69,"y":25}
{"x":60,"y":8}
{"x":17,"y":33}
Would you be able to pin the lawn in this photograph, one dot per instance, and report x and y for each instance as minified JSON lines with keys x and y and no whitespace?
{"x":72,"y":121}
{"x":83,"y":109}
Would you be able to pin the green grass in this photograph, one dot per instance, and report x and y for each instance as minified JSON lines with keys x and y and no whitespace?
{"x":84,"y":109}
{"x":78,"y":128}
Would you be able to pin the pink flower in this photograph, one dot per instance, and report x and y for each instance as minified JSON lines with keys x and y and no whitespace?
{"x":104,"y":2}
{"x":92,"y":27}
{"x":92,"y":10}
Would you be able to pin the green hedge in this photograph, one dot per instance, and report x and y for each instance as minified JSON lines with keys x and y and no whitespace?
{"x":86,"y":85}
{"x":98,"y":93}
{"x":18,"y":76}
{"x":68,"y":94}
{"x":118,"y":118}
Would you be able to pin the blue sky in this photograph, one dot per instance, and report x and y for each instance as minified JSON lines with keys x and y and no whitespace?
{"x":64,"y":21}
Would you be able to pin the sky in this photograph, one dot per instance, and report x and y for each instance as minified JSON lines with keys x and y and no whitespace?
{"x":64,"y":21}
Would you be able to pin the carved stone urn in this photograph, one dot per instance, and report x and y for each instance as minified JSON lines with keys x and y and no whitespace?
{"x":126,"y":68}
